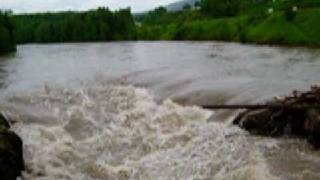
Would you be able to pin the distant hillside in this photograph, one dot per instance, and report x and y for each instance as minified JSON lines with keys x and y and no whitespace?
{"x":176,"y":6}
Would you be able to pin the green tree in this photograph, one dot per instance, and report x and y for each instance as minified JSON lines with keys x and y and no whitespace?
{"x":94,"y":25}
{"x":7,"y":39}
{"x":220,"y":8}
{"x":186,"y":6}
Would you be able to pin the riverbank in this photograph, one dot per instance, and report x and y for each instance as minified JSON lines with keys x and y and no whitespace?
{"x":276,"y":28}
{"x":299,"y":28}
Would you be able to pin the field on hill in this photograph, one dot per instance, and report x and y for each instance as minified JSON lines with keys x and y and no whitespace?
{"x":287,"y":23}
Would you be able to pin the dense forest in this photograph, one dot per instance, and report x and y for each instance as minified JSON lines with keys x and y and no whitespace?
{"x":7,"y":40}
{"x":94,"y":25}
{"x":289,"y":22}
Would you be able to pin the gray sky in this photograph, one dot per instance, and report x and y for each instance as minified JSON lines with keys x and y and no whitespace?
{"x":19,"y":6}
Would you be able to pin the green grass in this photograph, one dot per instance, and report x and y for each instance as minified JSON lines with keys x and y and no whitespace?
{"x":276,"y":30}
{"x":220,"y":29}
{"x":308,"y":21}
{"x":302,"y":30}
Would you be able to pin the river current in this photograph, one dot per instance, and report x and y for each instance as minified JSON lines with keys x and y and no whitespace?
{"x":131,"y":110}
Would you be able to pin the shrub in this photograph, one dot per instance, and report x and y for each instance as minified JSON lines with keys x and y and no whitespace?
{"x":289,"y":13}
{"x":220,"y":8}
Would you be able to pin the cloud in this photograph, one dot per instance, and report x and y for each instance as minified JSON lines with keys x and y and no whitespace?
{"x":22,"y":6}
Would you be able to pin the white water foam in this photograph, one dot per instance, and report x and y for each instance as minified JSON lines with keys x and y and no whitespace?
{"x":120,"y":132}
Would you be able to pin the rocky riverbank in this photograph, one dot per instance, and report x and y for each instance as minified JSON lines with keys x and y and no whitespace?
{"x":11,"y":153}
{"x":298,"y":115}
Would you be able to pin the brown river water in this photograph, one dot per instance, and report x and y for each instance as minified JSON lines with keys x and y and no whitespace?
{"x":130,"y":110}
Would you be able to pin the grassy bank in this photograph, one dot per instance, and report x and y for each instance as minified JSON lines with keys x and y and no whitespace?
{"x":302,"y":29}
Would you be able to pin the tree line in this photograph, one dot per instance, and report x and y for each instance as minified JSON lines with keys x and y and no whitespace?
{"x":7,"y":38}
{"x":94,"y":25}
{"x":230,"y":20}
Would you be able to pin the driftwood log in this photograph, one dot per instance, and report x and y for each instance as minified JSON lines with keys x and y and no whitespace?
{"x":297,"y":115}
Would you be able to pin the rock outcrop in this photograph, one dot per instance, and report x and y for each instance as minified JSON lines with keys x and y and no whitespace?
{"x":11,"y":154}
{"x":297,"y":115}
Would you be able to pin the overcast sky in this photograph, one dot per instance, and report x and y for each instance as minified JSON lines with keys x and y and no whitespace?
{"x":22,"y":6}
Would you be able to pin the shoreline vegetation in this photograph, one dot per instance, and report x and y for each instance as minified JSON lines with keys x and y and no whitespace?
{"x":93,"y":25}
{"x":278,"y":22}
{"x":7,"y":37}
{"x":272,"y":22}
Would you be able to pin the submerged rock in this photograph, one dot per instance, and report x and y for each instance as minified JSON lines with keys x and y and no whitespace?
{"x":3,"y":121}
{"x":299,"y":116}
{"x":272,"y":122}
{"x":312,"y":126}
{"x":11,"y":153}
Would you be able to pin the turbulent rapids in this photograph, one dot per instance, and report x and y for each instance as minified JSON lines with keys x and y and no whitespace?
{"x":120,"y":132}
{"x":107,"y":111}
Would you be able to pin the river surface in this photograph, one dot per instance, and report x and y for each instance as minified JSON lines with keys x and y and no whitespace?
{"x":130,"y":110}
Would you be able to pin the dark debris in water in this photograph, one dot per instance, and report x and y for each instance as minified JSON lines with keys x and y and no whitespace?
{"x":11,"y":156}
{"x":283,"y":120}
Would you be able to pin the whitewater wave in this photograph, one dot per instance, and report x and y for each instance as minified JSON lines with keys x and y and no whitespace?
{"x":121,"y":132}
